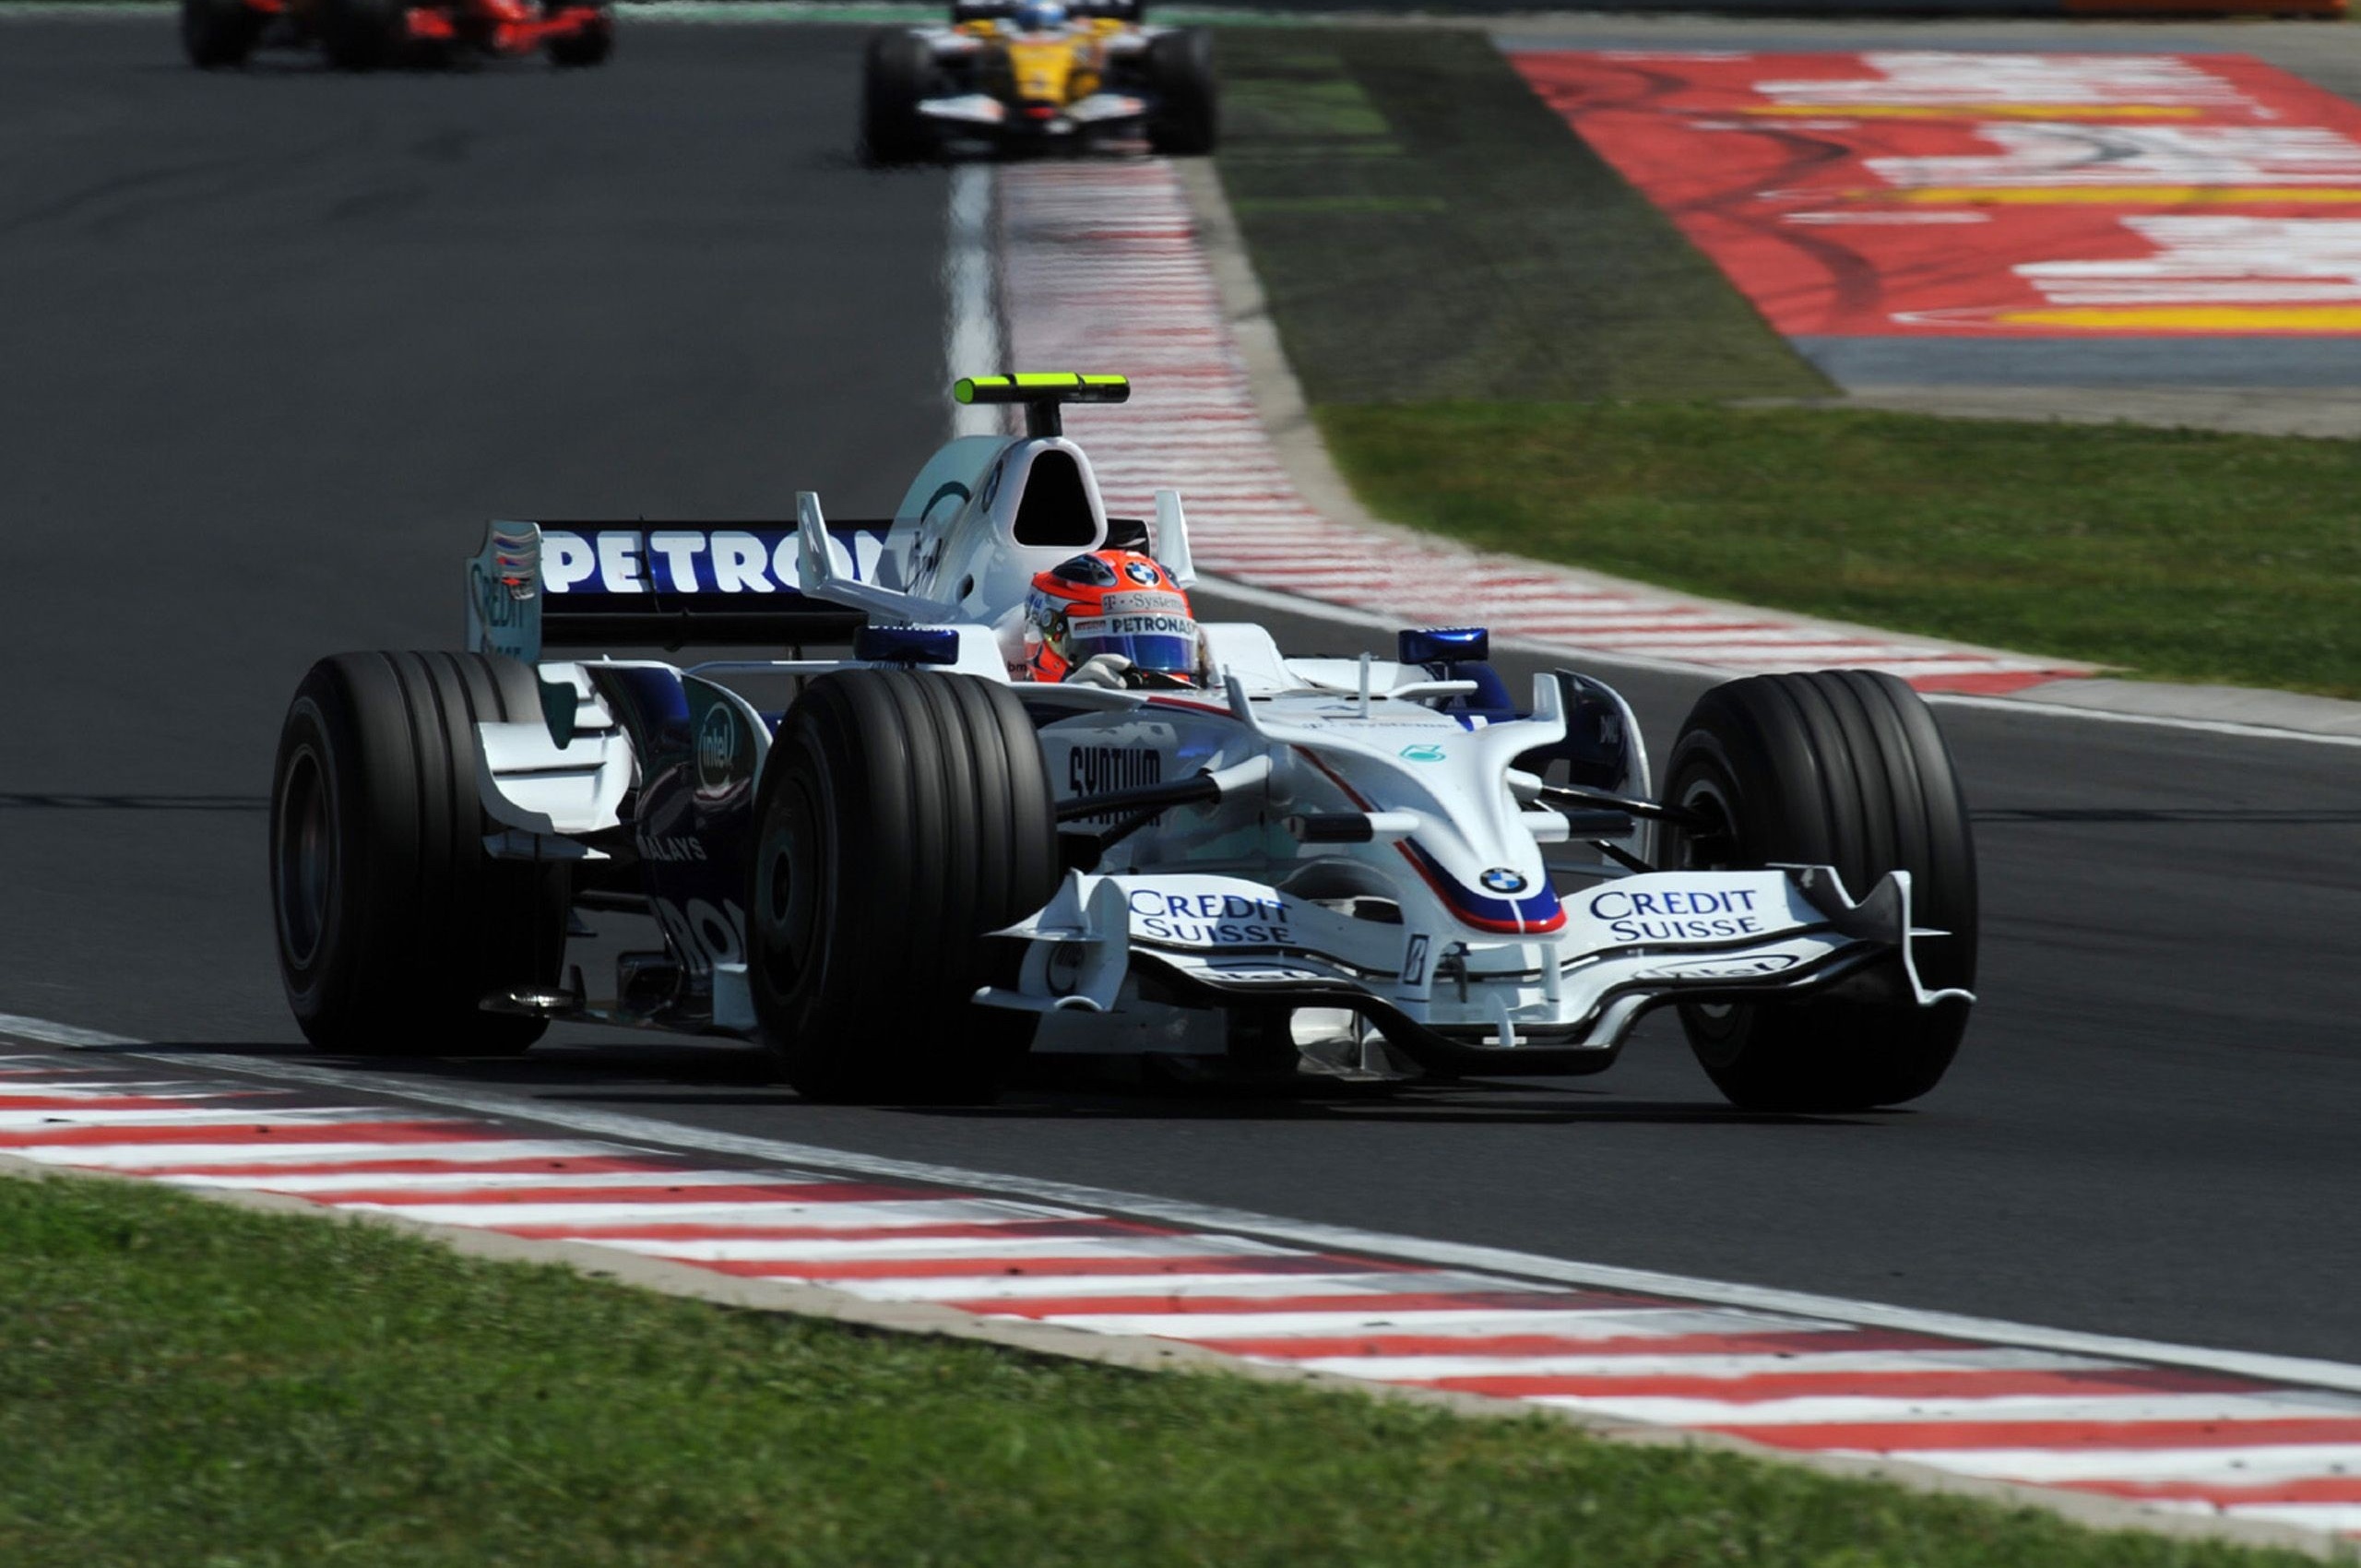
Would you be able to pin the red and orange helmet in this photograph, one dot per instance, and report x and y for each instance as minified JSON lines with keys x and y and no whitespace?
{"x":1116,"y":601}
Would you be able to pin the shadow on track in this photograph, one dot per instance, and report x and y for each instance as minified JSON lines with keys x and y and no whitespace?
{"x":664,"y":1078}
{"x":726,"y":1075}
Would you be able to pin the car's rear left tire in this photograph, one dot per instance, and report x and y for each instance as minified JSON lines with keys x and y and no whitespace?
{"x":393,"y":922}
{"x":1844,"y":768}
{"x":1182,"y":116}
{"x":897,"y":75}
{"x":901,"y":817}
{"x":215,"y":33}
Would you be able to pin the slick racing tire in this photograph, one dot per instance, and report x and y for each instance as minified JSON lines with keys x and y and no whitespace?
{"x":901,"y":817}
{"x":1180,"y":88}
{"x":220,"y":32}
{"x":360,"y":35}
{"x":900,"y":70}
{"x":589,"y":47}
{"x":1844,"y":768}
{"x":394,"y":923}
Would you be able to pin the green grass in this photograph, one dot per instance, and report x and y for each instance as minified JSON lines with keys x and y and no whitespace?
{"x":1426,"y":229}
{"x":2179,"y":554}
{"x":181,"y":1383}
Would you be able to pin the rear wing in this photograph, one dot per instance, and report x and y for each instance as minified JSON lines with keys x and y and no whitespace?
{"x":668,"y":585}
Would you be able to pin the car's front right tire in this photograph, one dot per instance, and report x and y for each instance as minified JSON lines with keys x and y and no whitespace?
{"x":898,"y":72}
{"x":1844,"y":768}
{"x":215,"y":33}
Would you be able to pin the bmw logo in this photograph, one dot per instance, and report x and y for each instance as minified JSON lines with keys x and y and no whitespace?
{"x":1500,"y":879}
{"x":1142,"y":572}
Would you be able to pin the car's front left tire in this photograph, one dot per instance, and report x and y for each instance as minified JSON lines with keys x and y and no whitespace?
{"x":1183,"y":121}
{"x":394,"y":922}
{"x":900,"y":820}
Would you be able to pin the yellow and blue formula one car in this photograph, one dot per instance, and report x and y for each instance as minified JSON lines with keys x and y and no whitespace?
{"x":1035,"y":75}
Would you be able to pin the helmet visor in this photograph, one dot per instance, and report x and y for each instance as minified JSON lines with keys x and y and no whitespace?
{"x":1161,"y":640}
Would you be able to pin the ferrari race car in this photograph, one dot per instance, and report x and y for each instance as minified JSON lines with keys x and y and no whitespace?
{"x":360,"y":35}
{"x":1034,"y":76}
{"x":1035,"y":805}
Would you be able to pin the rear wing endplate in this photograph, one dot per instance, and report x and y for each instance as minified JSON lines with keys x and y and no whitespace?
{"x":667,"y":585}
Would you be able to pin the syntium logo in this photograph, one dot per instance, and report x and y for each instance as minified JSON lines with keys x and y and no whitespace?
{"x":1099,"y":770}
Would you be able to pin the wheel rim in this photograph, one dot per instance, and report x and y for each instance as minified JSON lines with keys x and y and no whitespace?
{"x":790,"y":888}
{"x":303,"y":852}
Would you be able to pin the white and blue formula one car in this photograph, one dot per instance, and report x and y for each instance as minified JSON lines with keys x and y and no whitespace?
{"x":903,"y":868}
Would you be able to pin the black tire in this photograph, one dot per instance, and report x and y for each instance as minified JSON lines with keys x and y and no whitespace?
{"x":220,"y":32}
{"x":901,"y":818}
{"x":898,"y":74}
{"x":393,"y":922}
{"x":589,"y":47}
{"x":1182,"y":114}
{"x":360,"y":35}
{"x":1844,"y":768}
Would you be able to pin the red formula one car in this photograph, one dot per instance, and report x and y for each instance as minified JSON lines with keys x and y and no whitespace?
{"x":360,"y":35}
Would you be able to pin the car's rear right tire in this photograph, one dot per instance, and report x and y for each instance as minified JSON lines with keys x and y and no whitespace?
{"x":591,"y":46}
{"x":361,"y":35}
{"x":901,"y":819}
{"x":394,"y":922}
{"x":1842,"y":768}
{"x":1182,"y":118}
{"x":897,"y":75}
{"x":220,"y":32}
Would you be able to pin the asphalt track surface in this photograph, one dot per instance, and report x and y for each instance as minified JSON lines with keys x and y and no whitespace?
{"x":279,"y":342}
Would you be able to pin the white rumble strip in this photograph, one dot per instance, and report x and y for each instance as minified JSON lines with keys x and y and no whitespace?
{"x":2188,"y":1438}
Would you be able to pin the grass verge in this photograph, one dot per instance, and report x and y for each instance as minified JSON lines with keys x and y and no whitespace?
{"x":2178,"y":554}
{"x":183,"y":1382}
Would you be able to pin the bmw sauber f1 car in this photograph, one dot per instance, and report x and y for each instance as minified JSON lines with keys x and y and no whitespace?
{"x":1037,"y":806}
{"x":1036,"y":75}
{"x":360,"y":35}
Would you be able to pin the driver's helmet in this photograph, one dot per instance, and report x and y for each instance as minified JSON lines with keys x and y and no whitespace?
{"x":1041,"y":15}
{"x":1116,"y":601}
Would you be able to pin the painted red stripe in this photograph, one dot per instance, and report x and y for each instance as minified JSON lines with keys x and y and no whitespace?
{"x":1365,"y":1300}
{"x":653,"y":1198}
{"x":947,"y":1268}
{"x":1996,"y":684}
{"x":256,"y":1133}
{"x":1962,"y":1383}
{"x":1774,"y":1344}
{"x":2309,"y":1489}
{"x":369,"y":1166}
{"x":622,"y":1230}
{"x":1896,"y":1436}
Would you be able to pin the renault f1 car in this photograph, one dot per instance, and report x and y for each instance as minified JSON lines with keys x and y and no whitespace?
{"x":912,"y":862}
{"x":1034,"y":76}
{"x":360,"y":35}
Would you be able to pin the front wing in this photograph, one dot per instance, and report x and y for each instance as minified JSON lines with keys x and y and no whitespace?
{"x":1457,"y":1003}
